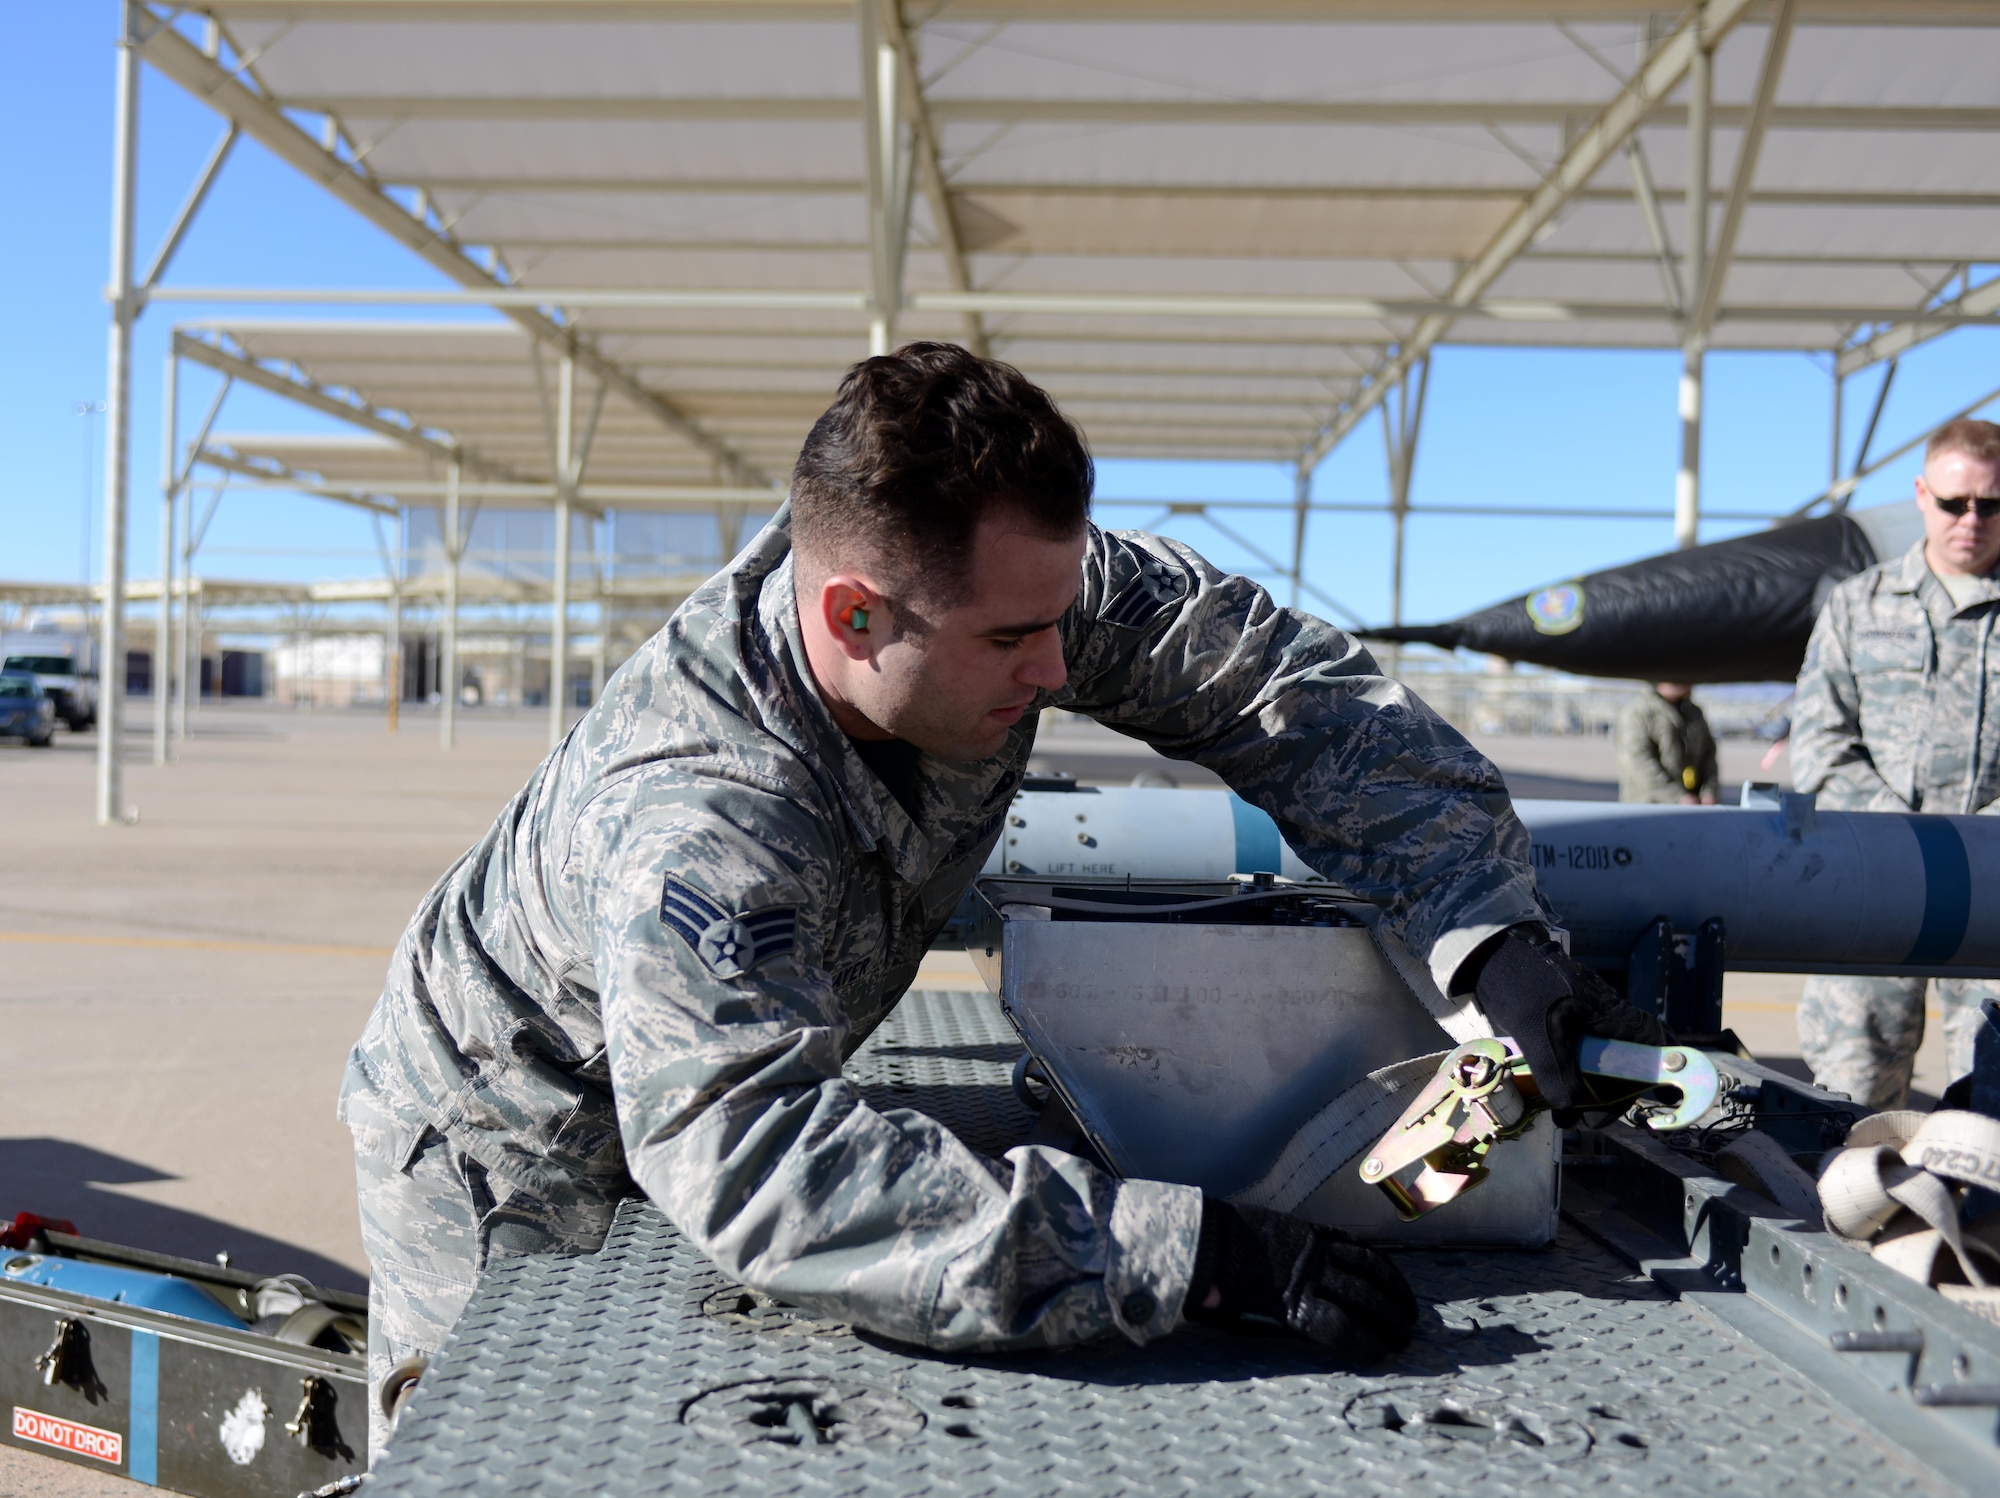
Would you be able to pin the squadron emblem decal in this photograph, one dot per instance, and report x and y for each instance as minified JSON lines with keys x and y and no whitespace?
{"x":1556,"y":610}
{"x":731,"y":945}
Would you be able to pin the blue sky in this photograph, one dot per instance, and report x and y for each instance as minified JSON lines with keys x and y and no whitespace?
{"x":1504,"y":426}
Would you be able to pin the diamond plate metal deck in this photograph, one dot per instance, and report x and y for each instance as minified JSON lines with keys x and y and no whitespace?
{"x":641,"y":1370}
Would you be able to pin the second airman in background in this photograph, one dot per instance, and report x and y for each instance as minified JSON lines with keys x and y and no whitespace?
{"x":1666,"y":754}
{"x":1895,"y":713}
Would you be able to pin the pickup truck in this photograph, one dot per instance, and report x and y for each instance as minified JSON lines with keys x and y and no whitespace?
{"x":73,"y":692}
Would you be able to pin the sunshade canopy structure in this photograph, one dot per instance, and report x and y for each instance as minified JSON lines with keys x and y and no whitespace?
{"x":1216,"y":231}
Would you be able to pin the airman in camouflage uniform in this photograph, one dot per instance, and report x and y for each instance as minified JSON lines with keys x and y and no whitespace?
{"x":1895,"y":712}
{"x":648,"y":973}
{"x":1666,"y":754}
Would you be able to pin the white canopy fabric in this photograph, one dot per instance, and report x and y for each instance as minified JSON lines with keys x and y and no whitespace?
{"x":1078,"y":177}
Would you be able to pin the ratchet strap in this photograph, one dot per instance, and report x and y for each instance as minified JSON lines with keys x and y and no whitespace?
{"x":1896,"y":1192}
{"x":1338,"y":1133}
{"x":1459,"y":1018}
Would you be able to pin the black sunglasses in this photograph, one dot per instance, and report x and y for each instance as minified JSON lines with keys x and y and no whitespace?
{"x":1987,"y":506}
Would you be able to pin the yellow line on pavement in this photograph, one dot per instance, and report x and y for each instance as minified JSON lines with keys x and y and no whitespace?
{"x":175,"y":943}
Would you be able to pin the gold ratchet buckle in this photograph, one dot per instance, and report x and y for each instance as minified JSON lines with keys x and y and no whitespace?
{"x":1484,"y":1093}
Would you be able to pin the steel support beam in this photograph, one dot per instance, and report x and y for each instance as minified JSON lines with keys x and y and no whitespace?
{"x":559,"y":580}
{"x":188,"y":641}
{"x":1980,"y":303}
{"x":1656,"y":227}
{"x":1838,"y":493}
{"x":317,"y":398}
{"x":454,"y":545}
{"x":1099,"y":304}
{"x":1198,"y":192}
{"x":1749,"y":149}
{"x":163,"y":618}
{"x":1125,"y":113}
{"x":118,"y":421}
{"x":184,"y":220}
{"x":1657,"y":76}
{"x":888,"y":175}
{"x":392,"y":647}
{"x":1694,"y":345}
{"x":1402,"y":424}
{"x":272,"y":475}
{"x":930,"y":175}
{"x":268,"y":473}
{"x":1708,"y":269}
{"x":1302,"y":480}
{"x":600,"y":657}
{"x":1868,"y":437}
{"x":265,"y":121}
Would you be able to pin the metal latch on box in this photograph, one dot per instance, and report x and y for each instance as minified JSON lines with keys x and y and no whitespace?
{"x":1483,"y":1093}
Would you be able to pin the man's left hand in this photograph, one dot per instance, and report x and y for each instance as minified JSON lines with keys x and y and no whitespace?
{"x":1258,"y":1273}
{"x":1532,"y":990}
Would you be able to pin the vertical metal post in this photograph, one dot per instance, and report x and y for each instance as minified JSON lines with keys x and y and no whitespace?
{"x":565,"y":481}
{"x":393,"y":651}
{"x":1302,"y":484}
{"x":448,"y":645}
{"x":180,"y":515}
{"x":1839,"y":394}
{"x":163,"y":620}
{"x":881,"y":78}
{"x":1402,"y":422}
{"x":1694,"y":344}
{"x":189,"y":643}
{"x":601,"y":653}
{"x":392,"y":648}
{"x":117,"y":426}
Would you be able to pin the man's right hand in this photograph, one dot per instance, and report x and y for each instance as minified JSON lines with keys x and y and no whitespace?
{"x":1531,"y":989}
{"x":1260,"y":1273}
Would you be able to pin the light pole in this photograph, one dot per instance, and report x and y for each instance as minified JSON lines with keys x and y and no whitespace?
{"x":88,"y":409}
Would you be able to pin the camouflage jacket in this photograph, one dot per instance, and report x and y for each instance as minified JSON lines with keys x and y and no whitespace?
{"x":653,"y":966}
{"x":1665,"y":751}
{"x":1892,"y":711}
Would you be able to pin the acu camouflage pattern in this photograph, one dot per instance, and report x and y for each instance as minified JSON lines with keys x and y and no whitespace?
{"x":1665,"y":751}
{"x":1860,"y":1035}
{"x":1892,"y":714}
{"x":429,"y":1226}
{"x":550,"y":1017}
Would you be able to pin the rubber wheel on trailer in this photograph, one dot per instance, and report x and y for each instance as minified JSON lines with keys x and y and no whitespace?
{"x":43,"y":741}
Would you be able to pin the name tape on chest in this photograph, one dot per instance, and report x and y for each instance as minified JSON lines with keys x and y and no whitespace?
{"x":729,"y":943}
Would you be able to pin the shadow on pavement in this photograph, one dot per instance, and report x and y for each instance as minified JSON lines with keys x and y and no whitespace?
{"x":56,"y":1178}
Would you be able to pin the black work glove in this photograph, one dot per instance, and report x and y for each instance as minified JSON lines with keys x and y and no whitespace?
{"x":1531,"y":989}
{"x":1274,"y":1274}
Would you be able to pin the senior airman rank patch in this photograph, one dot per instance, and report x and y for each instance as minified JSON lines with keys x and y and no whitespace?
{"x":1160,"y":581}
{"x":730,"y":944}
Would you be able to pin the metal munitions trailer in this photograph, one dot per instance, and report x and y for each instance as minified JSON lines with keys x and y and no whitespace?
{"x":193,"y":1405}
{"x":1677,"y":1336}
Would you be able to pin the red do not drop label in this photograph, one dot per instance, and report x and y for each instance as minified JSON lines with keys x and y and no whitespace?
{"x":67,"y":1435}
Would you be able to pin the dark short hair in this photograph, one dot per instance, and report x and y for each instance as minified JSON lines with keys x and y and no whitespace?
{"x":1978,"y":440}
{"x":917,"y":448}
